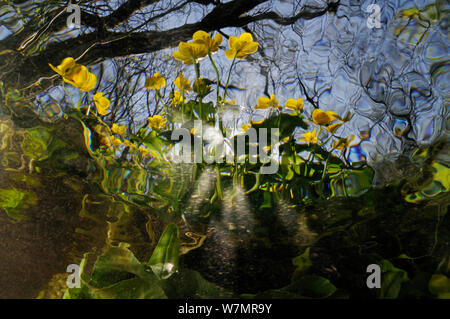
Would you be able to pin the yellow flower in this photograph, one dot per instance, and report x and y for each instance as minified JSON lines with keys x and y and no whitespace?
{"x":177,"y":98}
{"x":284,"y":140}
{"x":265,"y":102}
{"x":155,"y":82}
{"x":144,"y":151}
{"x":115,"y":141}
{"x":256,"y":122}
{"x":129,"y":144}
{"x":84,"y":80}
{"x":101,"y":103}
{"x":324,"y":118}
{"x":157,"y":122}
{"x":65,"y":67}
{"x":200,"y":87}
{"x":343,"y":143}
{"x":309,"y":137}
{"x":189,"y":53}
{"x":121,"y":130}
{"x":76,"y":74}
{"x":182,"y":83}
{"x":333,"y":127}
{"x":296,"y":105}
{"x":241,"y":47}
{"x":245,"y":127}
{"x":202,"y":37}
{"x":232,"y":102}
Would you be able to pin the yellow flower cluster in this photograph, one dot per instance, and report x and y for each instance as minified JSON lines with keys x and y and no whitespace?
{"x":121,"y":130}
{"x":202,"y":44}
{"x":265,"y":102}
{"x":182,"y":83}
{"x":310,"y":137}
{"x":241,"y":47}
{"x":155,"y":82}
{"x":157,"y":122}
{"x":291,"y":104}
{"x":200,"y":47}
{"x":76,"y":74}
{"x":326,"y":119}
{"x":177,"y":98}
{"x":101,"y":103}
{"x":201,"y":86}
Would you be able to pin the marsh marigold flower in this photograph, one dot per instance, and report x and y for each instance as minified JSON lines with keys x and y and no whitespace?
{"x":189,"y":53}
{"x":177,"y":98}
{"x":310,"y":137}
{"x":343,"y":143}
{"x":324,"y":118}
{"x":203,"y":38}
{"x":155,"y":82}
{"x":241,"y":47}
{"x":129,"y":144}
{"x":295,"y":104}
{"x":101,"y":103}
{"x":115,"y":141}
{"x":245,"y":127}
{"x":121,"y":130}
{"x":333,"y":127}
{"x":201,"y":86}
{"x":265,"y":102}
{"x":157,"y":122}
{"x":144,"y":151}
{"x":182,"y":83}
{"x":76,"y":74}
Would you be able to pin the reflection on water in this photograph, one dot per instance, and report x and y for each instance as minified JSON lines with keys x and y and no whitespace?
{"x":60,"y":200}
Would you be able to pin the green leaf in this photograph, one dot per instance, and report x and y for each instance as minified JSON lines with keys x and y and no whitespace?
{"x":155,"y":144}
{"x":117,"y":274}
{"x":164,"y":260}
{"x":439,"y":286}
{"x":134,"y":288}
{"x":14,"y":201}
{"x":392,"y":280}
{"x":312,"y":286}
{"x":303,"y":263}
{"x":35,"y":143}
{"x":190,"y":284}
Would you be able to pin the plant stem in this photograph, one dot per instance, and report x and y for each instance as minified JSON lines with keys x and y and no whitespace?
{"x":228,"y":79}
{"x":217,"y":73}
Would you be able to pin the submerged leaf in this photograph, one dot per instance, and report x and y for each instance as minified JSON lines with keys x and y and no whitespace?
{"x":164,"y":260}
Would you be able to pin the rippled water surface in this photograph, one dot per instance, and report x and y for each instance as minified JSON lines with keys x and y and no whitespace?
{"x":386,"y":199}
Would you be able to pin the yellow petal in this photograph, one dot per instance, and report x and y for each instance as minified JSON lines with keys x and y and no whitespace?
{"x":233,"y":42}
{"x":200,"y":36}
{"x":333,"y":127}
{"x":217,"y":41}
{"x":323,"y":118}
{"x":90,"y":84}
{"x":56,"y":69}
{"x":66,"y":65}
{"x":250,"y":48}
{"x":230,"y":54}
{"x":246,"y":37}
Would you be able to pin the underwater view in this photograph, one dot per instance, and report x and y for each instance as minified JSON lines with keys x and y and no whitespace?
{"x":224,"y":149}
